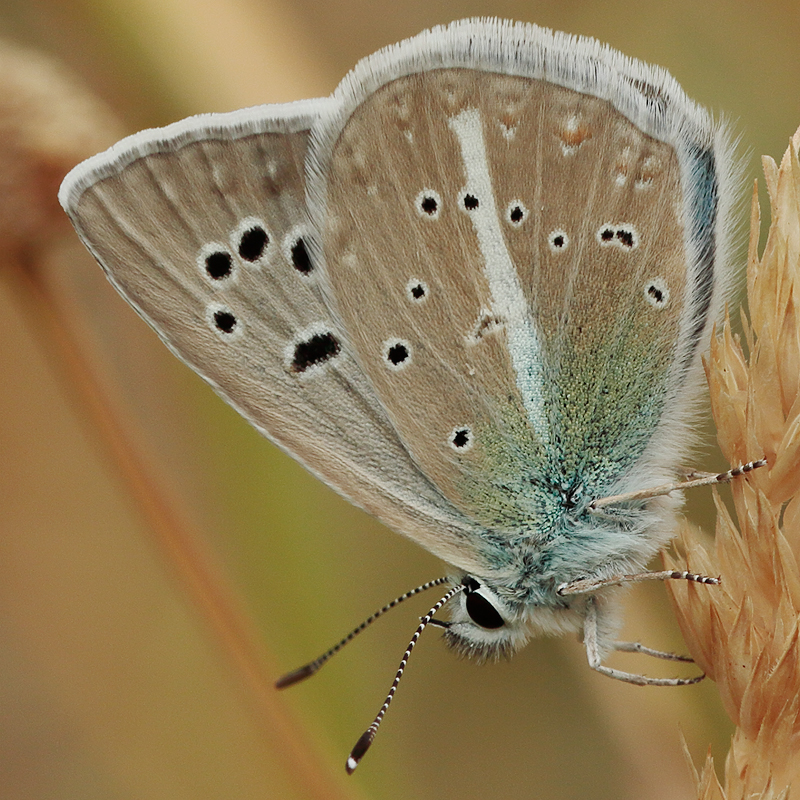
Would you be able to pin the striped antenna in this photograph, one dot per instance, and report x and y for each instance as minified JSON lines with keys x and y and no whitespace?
{"x":307,"y":670}
{"x":363,"y":744}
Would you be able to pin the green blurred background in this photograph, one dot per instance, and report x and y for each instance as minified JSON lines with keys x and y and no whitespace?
{"x":111,"y":683}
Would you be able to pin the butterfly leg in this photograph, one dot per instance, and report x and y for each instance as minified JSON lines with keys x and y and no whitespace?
{"x":637,"y":647}
{"x":693,"y":480}
{"x":591,"y":585}
{"x":590,"y":641}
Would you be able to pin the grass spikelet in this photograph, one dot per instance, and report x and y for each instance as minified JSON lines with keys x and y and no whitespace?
{"x":744,"y":634}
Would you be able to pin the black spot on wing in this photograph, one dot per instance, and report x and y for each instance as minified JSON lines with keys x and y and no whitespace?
{"x":315,"y":351}
{"x":252,"y":243}
{"x":301,"y":260}
{"x":225,"y":321}
{"x":219,"y":265}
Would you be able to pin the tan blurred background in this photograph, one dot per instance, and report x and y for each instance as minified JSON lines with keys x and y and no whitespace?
{"x":112,"y":683}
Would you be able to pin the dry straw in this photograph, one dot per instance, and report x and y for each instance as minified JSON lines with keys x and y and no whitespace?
{"x":744,"y":634}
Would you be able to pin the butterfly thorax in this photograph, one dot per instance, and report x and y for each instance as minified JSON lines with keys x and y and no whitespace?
{"x":568,"y":542}
{"x":518,"y":589}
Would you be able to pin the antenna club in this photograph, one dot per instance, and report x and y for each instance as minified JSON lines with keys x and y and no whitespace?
{"x":296,"y":676}
{"x":361,"y":747}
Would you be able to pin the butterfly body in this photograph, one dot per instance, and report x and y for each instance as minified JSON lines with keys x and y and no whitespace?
{"x":469,"y":291}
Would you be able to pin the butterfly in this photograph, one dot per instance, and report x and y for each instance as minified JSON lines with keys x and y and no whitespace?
{"x":469,"y":291}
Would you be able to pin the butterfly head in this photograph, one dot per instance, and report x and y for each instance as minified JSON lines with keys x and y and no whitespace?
{"x":488,"y":621}
{"x":482,"y":624}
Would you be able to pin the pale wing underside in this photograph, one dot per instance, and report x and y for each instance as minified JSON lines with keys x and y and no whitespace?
{"x":206,"y":239}
{"x":440,"y":176}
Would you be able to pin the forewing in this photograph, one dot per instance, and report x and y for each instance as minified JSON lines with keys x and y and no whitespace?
{"x":519,"y":234}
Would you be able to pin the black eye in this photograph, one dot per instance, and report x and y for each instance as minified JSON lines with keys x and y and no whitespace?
{"x":482,"y":612}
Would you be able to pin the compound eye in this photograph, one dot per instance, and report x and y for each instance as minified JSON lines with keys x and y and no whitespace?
{"x":482,"y":612}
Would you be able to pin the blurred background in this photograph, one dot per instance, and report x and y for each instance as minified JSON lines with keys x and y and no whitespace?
{"x":114,"y":682}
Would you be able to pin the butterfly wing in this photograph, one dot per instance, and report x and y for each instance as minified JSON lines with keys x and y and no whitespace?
{"x":526,"y":268}
{"x":203,"y":228}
